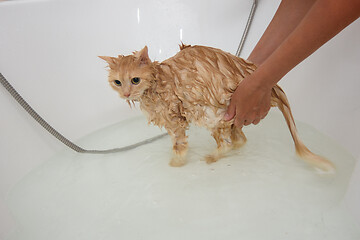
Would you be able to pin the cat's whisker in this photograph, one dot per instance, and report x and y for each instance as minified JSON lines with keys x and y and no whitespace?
{"x":128,"y":102}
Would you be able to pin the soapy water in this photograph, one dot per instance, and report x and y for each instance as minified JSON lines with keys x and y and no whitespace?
{"x":261,"y":191}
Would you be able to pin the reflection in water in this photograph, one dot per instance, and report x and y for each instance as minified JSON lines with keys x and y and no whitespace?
{"x":262,"y":191}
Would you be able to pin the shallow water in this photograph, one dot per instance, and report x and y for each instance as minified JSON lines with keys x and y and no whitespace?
{"x":261,"y":191}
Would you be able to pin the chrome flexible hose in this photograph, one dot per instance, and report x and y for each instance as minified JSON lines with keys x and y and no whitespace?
{"x":247,"y":27}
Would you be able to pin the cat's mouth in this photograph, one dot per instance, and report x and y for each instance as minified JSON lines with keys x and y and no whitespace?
{"x":131,"y":98}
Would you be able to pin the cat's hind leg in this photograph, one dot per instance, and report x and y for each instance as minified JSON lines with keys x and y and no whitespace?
{"x":180,"y":146}
{"x":238,"y":137}
{"x":223,"y":138}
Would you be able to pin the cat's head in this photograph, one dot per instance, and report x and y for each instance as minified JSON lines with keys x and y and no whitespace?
{"x":131,"y":75}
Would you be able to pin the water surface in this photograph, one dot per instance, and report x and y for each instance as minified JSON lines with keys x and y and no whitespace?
{"x":261,"y":191}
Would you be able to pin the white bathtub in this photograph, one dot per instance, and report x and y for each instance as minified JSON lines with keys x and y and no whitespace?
{"x":49,"y":49}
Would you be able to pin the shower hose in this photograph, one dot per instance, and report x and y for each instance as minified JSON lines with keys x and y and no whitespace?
{"x":79,"y":149}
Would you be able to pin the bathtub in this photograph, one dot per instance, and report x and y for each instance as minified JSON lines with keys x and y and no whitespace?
{"x":49,"y":49}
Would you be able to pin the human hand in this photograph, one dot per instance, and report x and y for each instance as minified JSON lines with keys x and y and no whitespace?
{"x":249,"y":103}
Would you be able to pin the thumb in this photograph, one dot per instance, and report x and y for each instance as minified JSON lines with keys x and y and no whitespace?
{"x":230,"y":113}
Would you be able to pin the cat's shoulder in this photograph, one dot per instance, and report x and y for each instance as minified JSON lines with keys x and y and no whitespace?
{"x":199,"y":50}
{"x":183,"y":46}
{"x":186,"y":47}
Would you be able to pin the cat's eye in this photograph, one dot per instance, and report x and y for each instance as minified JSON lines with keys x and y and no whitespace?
{"x":117,"y":82}
{"x":135,"y":80}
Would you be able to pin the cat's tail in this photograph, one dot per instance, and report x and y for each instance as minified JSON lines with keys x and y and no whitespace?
{"x":280,"y":100}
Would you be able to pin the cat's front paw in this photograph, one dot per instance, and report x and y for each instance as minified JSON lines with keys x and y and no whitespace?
{"x":211,"y":159}
{"x":237,"y":145}
{"x":177,"y":161}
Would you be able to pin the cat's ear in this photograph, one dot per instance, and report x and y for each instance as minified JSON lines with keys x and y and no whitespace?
{"x":110,"y":60}
{"x":143,"y":56}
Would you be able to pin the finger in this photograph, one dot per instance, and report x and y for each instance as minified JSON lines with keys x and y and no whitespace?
{"x":239,"y":122}
{"x":256,"y":121}
{"x":247,"y":122}
{"x":263,"y":115}
{"x":230,"y":113}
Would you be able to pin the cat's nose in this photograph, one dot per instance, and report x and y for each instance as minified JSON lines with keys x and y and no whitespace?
{"x":126,"y":94}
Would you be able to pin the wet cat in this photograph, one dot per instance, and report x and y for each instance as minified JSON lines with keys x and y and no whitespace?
{"x":195,"y":86}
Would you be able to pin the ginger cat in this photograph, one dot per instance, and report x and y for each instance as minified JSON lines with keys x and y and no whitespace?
{"x":195,"y":86}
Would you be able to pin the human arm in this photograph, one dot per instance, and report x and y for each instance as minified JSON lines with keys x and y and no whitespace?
{"x":326,"y":18}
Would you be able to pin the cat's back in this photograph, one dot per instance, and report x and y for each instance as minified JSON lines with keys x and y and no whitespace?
{"x":205,"y":79}
{"x":209,"y":68}
{"x":198,"y":57}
